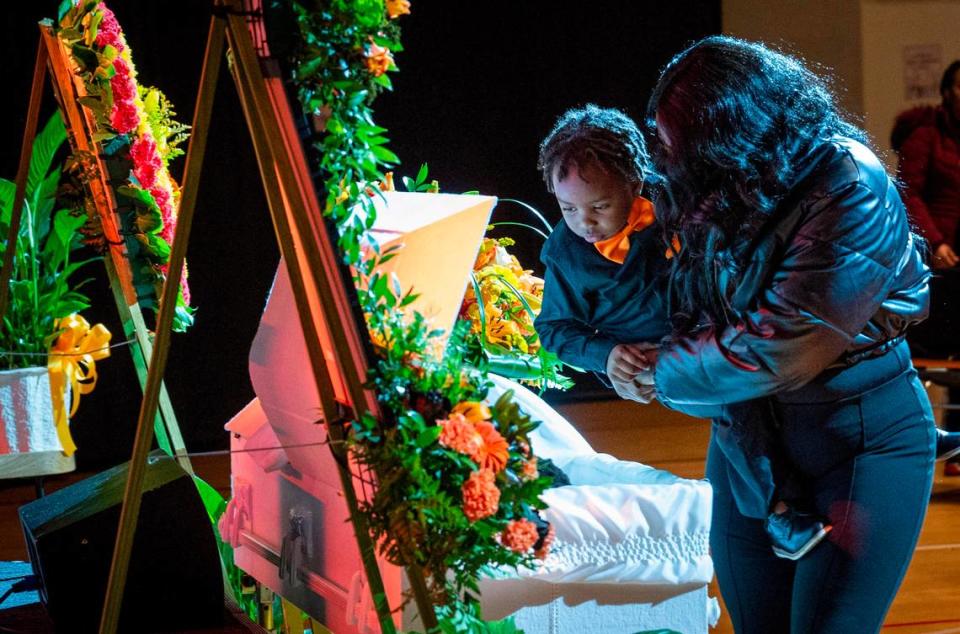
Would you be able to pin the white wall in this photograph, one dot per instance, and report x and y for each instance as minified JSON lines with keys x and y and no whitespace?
{"x":888,"y":27}
{"x":823,"y":32}
{"x":863,"y":45}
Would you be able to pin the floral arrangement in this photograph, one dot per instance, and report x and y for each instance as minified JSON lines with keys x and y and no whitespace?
{"x":41,"y":326}
{"x":135,"y":128}
{"x":455,"y":485}
{"x":501,"y":320}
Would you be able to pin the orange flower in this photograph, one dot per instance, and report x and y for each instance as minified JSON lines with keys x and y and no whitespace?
{"x":473,"y":411}
{"x":481,"y":497}
{"x":396,"y":8}
{"x":487,"y":253}
{"x":544,"y":550}
{"x":461,"y":435}
{"x":520,"y":536}
{"x":494,"y":452}
{"x":379,"y":59}
{"x":530,"y":469}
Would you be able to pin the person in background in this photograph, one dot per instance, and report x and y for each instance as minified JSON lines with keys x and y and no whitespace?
{"x":796,"y":281}
{"x":927,"y":141}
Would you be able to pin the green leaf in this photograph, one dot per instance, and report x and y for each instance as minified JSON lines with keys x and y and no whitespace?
{"x":150,"y":221}
{"x":86,"y":57}
{"x":396,"y":284}
{"x":103,"y":135}
{"x":515,"y":366}
{"x":422,"y":174}
{"x":65,"y":6}
{"x":95,"y":105}
{"x":45,"y":146}
{"x":7,"y":192}
{"x":140,"y":197}
{"x":428,"y":436}
{"x":384,"y":154}
{"x":379,"y":285}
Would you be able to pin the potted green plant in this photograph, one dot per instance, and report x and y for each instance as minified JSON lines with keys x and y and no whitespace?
{"x":42,"y":297}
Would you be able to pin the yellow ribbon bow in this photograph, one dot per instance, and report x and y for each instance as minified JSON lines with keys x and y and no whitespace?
{"x":72,"y":363}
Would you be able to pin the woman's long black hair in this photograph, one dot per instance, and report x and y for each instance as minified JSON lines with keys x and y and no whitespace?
{"x":740,"y":118}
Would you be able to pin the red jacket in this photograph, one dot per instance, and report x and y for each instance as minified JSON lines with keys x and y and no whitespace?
{"x":930,"y":169}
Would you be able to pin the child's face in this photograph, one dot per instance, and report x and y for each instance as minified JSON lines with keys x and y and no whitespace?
{"x":595,"y":203}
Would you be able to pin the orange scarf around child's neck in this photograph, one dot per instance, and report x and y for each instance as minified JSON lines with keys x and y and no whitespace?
{"x":616,"y":247}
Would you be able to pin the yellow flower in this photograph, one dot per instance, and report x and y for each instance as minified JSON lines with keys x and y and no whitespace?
{"x":486,"y":254}
{"x":396,"y":8}
{"x":502,"y":332}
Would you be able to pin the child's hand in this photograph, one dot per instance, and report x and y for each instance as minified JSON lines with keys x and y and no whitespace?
{"x":625,"y":362}
{"x":649,"y":353}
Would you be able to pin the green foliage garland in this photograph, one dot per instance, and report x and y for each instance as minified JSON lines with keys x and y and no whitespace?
{"x":418,"y":512}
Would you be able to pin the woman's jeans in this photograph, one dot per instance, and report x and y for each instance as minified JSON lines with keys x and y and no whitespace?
{"x":864,"y":437}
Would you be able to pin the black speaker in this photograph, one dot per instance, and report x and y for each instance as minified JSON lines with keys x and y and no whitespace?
{"x":174,"y":580}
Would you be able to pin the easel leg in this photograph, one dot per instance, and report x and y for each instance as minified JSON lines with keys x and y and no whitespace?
{"x":161,"y":345}
{"x":26,"y":151}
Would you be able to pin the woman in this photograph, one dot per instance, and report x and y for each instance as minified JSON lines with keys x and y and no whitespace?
{"x":796,"y":280}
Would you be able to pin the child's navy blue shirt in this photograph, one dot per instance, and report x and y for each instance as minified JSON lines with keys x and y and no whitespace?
{"x":591,"y":304}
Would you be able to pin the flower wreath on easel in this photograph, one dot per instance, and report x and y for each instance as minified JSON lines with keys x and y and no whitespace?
{"x":135,"y":128}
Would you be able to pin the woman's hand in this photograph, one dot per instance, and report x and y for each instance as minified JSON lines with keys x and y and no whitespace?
{"x":945,"y":257}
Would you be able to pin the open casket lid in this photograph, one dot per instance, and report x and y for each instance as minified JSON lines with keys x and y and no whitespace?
{"x":441,"y":235}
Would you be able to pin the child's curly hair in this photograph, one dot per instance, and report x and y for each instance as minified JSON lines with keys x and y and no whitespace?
{"x":604,"y":136}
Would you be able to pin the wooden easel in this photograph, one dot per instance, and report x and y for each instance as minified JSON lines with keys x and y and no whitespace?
{"x":52,"y":57}
{"x":307,"y":249}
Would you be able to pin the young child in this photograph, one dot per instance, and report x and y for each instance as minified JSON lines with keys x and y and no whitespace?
{"x":604,"y":302}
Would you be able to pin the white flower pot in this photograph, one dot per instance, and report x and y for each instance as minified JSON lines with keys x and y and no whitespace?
{"x":26,"y":412}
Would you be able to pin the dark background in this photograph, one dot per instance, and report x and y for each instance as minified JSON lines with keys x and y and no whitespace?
{"x":479,"y":86}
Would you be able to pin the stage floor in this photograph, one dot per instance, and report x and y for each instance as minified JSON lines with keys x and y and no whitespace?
{"x":929,"y":600}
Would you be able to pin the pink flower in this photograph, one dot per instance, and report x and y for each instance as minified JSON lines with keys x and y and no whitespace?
{"x":122,"y":85}
{"x":520,"y":536}
{"x":161,"y":196}
{"x":481,"y":497}
{"x":146,"y":161}
{"x":108,"y":31}
{"x":184,"y":287}
{"x":124,"y":117}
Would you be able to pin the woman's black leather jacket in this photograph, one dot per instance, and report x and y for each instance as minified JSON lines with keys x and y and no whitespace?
{"x":834,"y":276}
